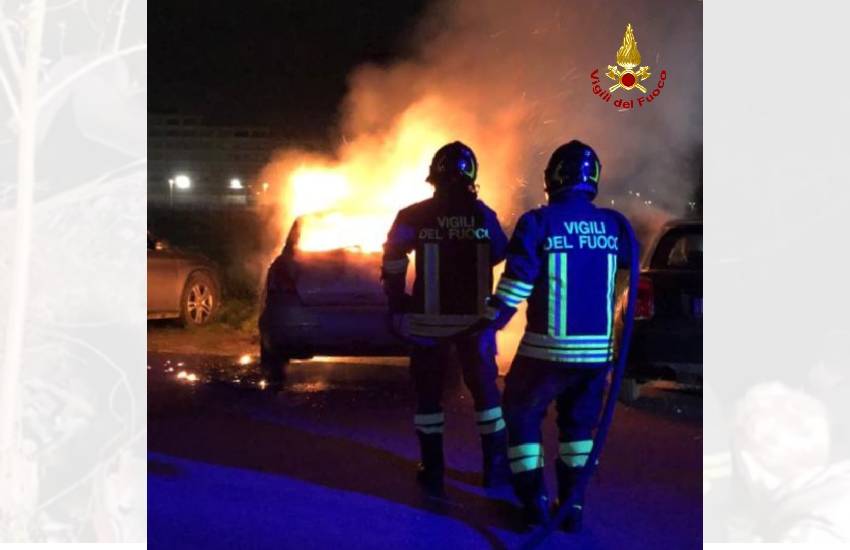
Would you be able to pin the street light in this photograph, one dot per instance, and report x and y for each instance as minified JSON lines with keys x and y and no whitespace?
{"x":236,"y":183}
{"x":182,"y":181}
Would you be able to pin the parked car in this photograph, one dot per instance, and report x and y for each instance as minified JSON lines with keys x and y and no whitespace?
{"x":181,"y":285}
{"x":667,"y":337}
{"x":327,"y":302}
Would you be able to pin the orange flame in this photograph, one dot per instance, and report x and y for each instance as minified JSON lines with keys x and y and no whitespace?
{"x":357,"y":192}
{"x":353,"y":232}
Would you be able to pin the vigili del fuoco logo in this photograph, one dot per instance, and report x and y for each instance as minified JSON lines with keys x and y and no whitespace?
{"x":626,"y":78}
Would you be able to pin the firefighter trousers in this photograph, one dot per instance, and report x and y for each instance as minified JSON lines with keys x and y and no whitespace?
{"x":530,"y":386}
{"x":428,"y":367}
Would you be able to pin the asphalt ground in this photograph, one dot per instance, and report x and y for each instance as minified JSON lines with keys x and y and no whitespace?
{"x":329,"y":461}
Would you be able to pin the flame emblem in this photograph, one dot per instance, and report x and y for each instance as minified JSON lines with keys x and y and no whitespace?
{"x":628,"y":57}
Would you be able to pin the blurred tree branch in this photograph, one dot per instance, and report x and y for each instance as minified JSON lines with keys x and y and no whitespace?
{"x":10,"y":452}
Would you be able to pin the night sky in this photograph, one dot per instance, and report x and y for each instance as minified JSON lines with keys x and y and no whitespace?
{"x":274,"y":62}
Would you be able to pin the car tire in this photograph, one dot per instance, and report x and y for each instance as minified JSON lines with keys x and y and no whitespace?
{"x":200,"y":299}
{"x":629,"y":391}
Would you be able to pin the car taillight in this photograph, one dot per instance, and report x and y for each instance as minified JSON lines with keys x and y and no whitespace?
{"x":645,"y":304}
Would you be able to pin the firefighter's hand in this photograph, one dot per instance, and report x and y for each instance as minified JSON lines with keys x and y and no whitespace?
{"x":498,"y":313}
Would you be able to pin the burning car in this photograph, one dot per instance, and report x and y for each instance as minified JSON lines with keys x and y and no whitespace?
{"x":323,"y":293}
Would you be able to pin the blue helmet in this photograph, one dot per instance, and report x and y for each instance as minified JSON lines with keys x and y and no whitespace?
{"x":453,"y":165}
{"x":573,"y":167}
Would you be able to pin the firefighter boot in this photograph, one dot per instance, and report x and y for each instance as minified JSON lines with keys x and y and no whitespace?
{"x":530,"y":488}
{"x":494,"y":448}
{"x":430,"y":473}
{"x":567,"y":480}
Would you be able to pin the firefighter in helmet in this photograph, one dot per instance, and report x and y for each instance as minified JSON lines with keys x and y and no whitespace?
{"x":457,"y":240}
{"x":562,"y":258}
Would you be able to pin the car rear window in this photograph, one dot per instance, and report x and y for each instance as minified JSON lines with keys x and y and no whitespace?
{"x":679,"y":248}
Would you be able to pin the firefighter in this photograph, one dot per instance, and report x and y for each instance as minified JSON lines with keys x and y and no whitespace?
{"x":457,"y":240}
{"x":562,"y":258}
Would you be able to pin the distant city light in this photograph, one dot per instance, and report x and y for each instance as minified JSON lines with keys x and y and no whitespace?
{"x":190,"y":376}
{"x":182,"y":181}
{"x":236,"y":183}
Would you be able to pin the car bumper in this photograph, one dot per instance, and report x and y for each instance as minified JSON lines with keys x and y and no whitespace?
{"x":667,"y":350}
{"x":293,"y":330}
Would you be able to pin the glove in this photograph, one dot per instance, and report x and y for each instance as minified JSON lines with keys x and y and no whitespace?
{"x":498,"y":313}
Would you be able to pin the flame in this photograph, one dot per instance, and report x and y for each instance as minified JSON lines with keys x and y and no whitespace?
{"x":348,"y":200}
{"x":628,"y":55}
{"x":353,"y":232}
{"x":313,"y":188}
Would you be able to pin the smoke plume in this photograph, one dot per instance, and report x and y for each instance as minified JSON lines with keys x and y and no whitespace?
{"x":512,"y":80}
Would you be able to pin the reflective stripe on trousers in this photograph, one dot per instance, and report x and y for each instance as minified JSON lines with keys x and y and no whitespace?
{"x":525,"y":457}
{"x":575,"y":453}
{"x":429,"y":423}
{"x":490,"y":420}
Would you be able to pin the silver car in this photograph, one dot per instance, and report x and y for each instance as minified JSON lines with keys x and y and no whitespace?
{"x":327,"y":303}
{"x":181,"y":285}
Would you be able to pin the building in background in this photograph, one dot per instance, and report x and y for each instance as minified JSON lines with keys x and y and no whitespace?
{"x":191,"y":163}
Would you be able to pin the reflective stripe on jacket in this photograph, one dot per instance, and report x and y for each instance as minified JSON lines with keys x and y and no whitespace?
{"x":456,"y":245}
{"x":563,"y":259}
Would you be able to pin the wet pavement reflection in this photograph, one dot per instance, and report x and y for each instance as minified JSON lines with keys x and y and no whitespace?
{"x":341,"y":430}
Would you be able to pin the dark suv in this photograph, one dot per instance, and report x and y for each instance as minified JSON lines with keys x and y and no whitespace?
{"x":667,"y":341}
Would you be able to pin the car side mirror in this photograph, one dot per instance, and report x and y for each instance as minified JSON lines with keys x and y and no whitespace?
{"x":161,"y":244}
